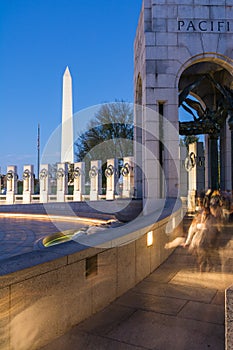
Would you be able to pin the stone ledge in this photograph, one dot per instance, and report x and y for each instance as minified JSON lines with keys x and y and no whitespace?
{"x":61,"y":287}
{"x":101,"y":240}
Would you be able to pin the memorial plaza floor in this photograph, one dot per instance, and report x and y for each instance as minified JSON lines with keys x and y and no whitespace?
{"x":175,"y":308}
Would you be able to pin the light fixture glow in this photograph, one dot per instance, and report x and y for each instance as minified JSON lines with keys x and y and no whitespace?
{"x":173,"y":223}
{"x":48,"y":217}
{"x":149,"y":238}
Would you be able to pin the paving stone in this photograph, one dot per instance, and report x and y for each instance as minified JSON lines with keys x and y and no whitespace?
{"x":81,"y":341}
{"x":216,"y":280}
{"x":105,"y":320}
{"x":163,"y":332}
{"x":176,"y":291}
{"x":219,"y":298}
{"x":163,"y":274}
{"x":169,"y":306}
{"x":183,"y":259}
{"x":203,"y":312}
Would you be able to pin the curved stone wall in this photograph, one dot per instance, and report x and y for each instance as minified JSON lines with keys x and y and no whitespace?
{"x":71,"y":282}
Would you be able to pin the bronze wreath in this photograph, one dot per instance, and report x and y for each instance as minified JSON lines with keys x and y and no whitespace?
{"x":60,"y":173}
{"x":125,"y":169}
{"x":26,"y":174}
{"x":43,"y":174}
{"x":10,"y":175}
{"x":109,"y":170}
{"x":190,"y":161}
{"x":77,"y":172}
{"x":93,"y":172}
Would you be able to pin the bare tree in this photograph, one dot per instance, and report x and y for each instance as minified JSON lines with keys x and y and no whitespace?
{"x":109,"y":134}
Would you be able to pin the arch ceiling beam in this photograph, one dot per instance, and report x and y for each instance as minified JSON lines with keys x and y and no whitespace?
{"x":213,"y":87}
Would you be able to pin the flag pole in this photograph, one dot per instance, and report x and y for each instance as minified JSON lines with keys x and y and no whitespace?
{"x":38,"y":152}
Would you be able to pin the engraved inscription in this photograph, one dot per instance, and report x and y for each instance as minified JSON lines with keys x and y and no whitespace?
{"x":217,"y":26}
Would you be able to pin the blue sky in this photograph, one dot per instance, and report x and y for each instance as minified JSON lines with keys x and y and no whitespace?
{"x":38,"y":39}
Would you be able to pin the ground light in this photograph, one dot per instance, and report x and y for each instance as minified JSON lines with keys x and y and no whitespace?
{"x":149,"y":238}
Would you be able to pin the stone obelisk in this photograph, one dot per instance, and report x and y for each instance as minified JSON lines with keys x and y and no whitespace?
{"x":67,"y":138}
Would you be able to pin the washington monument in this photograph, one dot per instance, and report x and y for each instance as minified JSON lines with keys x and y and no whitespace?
{"x":67,"y":138}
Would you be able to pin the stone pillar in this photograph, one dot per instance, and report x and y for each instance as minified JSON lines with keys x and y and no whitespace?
{"x":213,"y":162}
{"x":230,"y":123}
{"x":225,"y":157}
{"x":79,"y":181}
{"x":207,"y":162}
{"x":127,"y":172}
{"x":95,"y":174}
{"x":28,"y":183}
{"x":45,"y":185}
{"x":183,"y":172}
{"x":62,"y":181}
{"x":192,"y":178}
{"x":228,"y":159}
{"x":171,"y":145}
{"x":222,"y":156}
{"x":150,"y":162}
{"x":232,"y":160}
{"x":12,"y":178}
{"x":196,"y":172}
{"x":200,"y":165}
{"x":138,"y":149}
{"x":111,"y":178}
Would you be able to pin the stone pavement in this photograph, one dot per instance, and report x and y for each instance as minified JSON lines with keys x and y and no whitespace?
{"x":175,"y":308}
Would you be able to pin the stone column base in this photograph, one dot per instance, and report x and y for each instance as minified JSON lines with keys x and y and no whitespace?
{"x":10,"y":198}
{"x":26,"y":197}
{"x":191,"y":201}
{"x":77,"y":196}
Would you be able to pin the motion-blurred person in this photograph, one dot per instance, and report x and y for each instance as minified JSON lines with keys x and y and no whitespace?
{"x":204,"y":242}
{"x":206,"y":199}
{"x":216,"y":206}
{"x":226,"y":205}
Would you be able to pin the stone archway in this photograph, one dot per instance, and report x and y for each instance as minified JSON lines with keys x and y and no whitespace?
{"x":211,"y":83}
{"x":175,"y":42}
